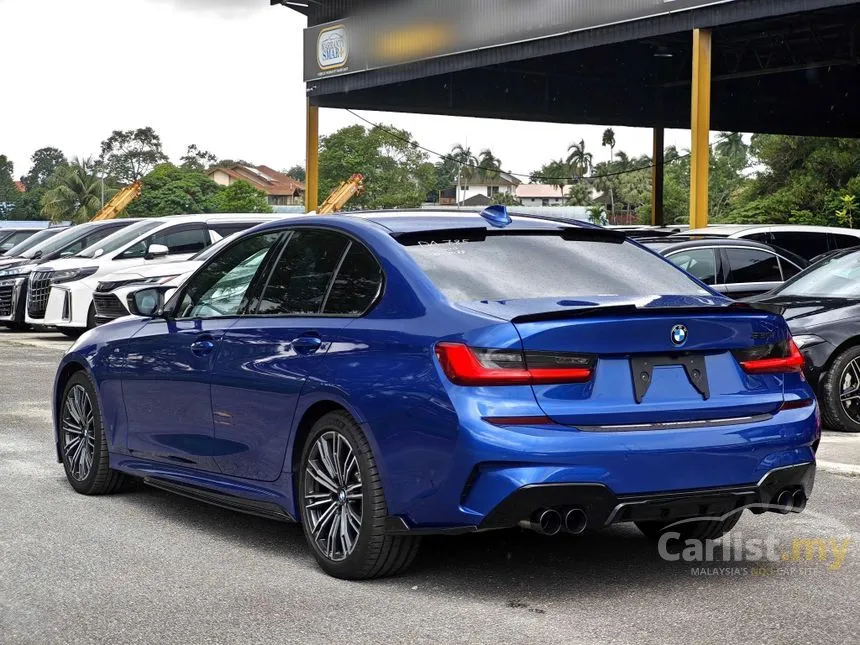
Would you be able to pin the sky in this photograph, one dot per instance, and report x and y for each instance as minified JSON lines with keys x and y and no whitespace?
{"x":225,"y":75}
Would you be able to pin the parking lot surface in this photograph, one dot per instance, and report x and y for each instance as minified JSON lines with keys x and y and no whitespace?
{"x":149,"y":567}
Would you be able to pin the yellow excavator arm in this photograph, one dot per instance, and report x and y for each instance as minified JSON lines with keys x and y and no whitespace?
{"x":119,"y":203}
{"x":342,"y":194}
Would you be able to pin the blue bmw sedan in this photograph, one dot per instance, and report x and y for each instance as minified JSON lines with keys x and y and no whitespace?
{"x":382,"y":376}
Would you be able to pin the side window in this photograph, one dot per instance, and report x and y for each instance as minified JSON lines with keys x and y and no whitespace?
{"x":844,"y":241}
{"x":752,"y":265}
{"x":220,"y":289}
{"x":89,"y":240}
{"x":189,"y":240}
{"x":227,"y":229}
{"x":699,"y":263}
{"x":789,"y":270}
{"x":761,"y":238}
{"x":806,"y":245}
{"x":301,"y":277}
{"x":356,"y":285}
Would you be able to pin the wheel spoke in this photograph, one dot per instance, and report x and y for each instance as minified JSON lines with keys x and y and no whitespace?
{"x":354,"y":519}
{"x":323,"y":520}
{"x":345,"y":539}
{"x":327,"y":459}
{"x":320,"y":477}
{"x":333,"y":530}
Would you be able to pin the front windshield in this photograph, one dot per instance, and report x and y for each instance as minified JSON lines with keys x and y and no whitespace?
{"x":22,"y":249}
{"x":838,"y":277}
{"x":120,"y":239}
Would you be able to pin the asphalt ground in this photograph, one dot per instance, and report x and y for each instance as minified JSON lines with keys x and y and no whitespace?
{"x":150,"y":567}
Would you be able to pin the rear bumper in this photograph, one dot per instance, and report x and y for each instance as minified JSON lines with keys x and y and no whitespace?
{"x":501,"y":475}
{"x":604,"y":508}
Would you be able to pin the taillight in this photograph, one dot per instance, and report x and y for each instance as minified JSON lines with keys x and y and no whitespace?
{"x":465,"y":365}
{"x":780,"y":358}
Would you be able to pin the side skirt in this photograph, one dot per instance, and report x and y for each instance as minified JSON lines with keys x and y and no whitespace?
{"x":268,"y":510}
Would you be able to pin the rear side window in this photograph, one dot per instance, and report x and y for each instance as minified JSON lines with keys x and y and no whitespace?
{"x":300,"y":280}
{"x":844,"y":241}
{"x":752,"y":265}
{"x":789,"y":270}
{"x":511,"y":266}
{"x":806,"y":245}
{"x":227,"y":229}
{"x":699,"y":263}
{"x":356,"y":285}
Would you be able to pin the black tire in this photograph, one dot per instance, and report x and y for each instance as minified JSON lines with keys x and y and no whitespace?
{"x":832,"y":412}
{"x":375,"y":554}
{"x":99,"y":479}
{"x":71,"y":332}
{"x":704,"y":529}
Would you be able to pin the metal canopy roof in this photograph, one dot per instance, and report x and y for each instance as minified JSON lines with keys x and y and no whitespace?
{"x":783,"y":66}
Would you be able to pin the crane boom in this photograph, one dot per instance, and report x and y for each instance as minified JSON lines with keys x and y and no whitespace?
{"x":342,"y":194}
{"x":118,"y":203}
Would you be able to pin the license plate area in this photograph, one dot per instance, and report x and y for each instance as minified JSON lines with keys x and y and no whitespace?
{"x":642,"y":371}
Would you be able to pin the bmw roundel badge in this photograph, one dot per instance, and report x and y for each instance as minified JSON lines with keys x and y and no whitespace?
{"x":679,"y":335}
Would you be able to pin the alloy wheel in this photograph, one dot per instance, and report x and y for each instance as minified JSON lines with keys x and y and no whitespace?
{"x":333,"y":496}
{"x":78,"y":428}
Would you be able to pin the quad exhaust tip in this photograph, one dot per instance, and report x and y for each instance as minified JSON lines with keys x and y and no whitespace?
{"x":550,"y":521}
{"x":575,"y":521}
{"x":791,"y":501}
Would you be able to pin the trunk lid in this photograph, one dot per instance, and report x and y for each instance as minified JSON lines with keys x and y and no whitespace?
{"x":642,"y":375}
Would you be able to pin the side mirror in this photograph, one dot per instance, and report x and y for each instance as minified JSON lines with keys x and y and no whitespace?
{"x":98,"y":253}
{"x":148,"y":302}
{"x":156,"y":251}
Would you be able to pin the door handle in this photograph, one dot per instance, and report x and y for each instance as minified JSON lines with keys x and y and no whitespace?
{"x":307,"y":344}
{"x":202,"y":347}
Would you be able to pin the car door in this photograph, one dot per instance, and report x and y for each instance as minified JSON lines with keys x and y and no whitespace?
{"x":749,"y":271}
{"x":700,"y":262}
{"x":267,"y":357}
{"x":168,"y":364}
{"x":182,"y":241}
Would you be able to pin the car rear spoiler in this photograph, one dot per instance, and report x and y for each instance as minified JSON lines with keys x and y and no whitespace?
{"x":633,"y":310}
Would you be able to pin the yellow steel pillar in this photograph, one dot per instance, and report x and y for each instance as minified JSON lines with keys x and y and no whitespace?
{"x":701,"y":128}
{"x":312,"y":159}
{"x":657,"y":161}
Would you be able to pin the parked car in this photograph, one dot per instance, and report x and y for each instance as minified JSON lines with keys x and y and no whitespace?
{"x":822,"y":307}
{"x":62,"y":242}
{"x":735,"y":268}
{"x":808,"y":242}
{"x":110,"y":298}
{"x":15,"y":253}
{"x":61,"y":293}
{"x":382,"y":376}
{"x":9,"y":237}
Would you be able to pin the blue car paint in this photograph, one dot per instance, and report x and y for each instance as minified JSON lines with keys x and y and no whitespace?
{"x":428,"y":435}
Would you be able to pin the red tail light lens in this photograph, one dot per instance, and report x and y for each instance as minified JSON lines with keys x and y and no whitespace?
{"x":464,"y":365}
{"x":781,"y":358}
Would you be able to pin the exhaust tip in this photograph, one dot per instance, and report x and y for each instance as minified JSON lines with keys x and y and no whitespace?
{"x":548,"y":522}
{"x":785,"y":502}
{"x":575,"y":521}
{"x":798,"y":501}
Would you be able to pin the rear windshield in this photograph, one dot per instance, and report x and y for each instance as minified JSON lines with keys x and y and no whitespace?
{"x":514,"y":266}
{"x":120,"y":239}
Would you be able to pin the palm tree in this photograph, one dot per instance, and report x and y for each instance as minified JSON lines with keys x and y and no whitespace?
{"x":467,"y":164}
{"x":579,"y":160}
{"x":609,"y":140}
{"x":74,"y":193}
{"x":731,"y":146}
{"x":490,"y":164}
{"x":623,"y":160}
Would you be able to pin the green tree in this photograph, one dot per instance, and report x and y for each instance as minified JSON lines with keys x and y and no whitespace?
{"x":579,"y":160}
{"x":171,"y":190}
{"x":240,"y":197}
{"x":197,"y":159}
{"x":467,"y":164}
{"x":490,"y":165}
{"x":129,"y":155}
{"x":609,"y":142}
{"x":555,"y":173}
{"x":396,"y":172}
{"x":10,"y":196}
{"x":73,"y":193}
{"x":45,"y":162}
{"x":297,"y":172}
{"x":846,"y":212}
{"x":579,"y":195}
